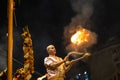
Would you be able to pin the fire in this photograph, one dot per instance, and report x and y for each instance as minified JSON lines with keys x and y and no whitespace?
{"x":80,"y":36}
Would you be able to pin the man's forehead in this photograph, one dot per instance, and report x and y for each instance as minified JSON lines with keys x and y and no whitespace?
{"x":50,"y":46}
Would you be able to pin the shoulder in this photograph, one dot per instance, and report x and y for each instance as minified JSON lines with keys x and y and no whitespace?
{"x":48,"y":59}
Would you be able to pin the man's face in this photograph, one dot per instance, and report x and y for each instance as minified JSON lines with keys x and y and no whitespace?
{"x":51,"y":50}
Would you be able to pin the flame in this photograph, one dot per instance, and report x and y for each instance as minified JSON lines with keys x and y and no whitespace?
{"x":80,"y":37}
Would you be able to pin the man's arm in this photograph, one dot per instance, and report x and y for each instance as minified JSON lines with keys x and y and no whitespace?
{"x":42,"y":77}
{"x":69,"y":64}
{"x":55,"y":65}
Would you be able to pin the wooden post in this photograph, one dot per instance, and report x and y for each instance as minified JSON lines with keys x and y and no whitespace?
{"x":10,"y":39}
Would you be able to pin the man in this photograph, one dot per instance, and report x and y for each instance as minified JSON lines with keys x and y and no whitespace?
{"x":57,"y":67}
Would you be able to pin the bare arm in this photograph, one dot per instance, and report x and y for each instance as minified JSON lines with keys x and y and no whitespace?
{"x":69,"y":64}
{"x":55,"y":65}
{"x":42,"y":77}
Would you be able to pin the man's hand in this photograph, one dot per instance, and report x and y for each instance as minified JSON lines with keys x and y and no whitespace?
{"x":66,"y":58}
{"x":67,"y":63}
{"x":87,"y":54}
{"x":41,"y":78}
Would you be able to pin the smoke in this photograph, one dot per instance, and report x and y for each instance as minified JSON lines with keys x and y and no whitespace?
{"x":3,"y":45}
{"x":3,"y":48}
{"x":84,"y":10}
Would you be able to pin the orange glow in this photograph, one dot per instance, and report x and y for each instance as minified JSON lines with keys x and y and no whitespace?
{"x":80,"y":36}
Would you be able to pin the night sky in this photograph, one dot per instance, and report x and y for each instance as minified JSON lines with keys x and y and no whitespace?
{"x":48,"y":18}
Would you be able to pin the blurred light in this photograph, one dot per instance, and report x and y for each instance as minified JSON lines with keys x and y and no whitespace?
{"x":85,"y":72}
{"x":77,"y":77}
{"x":86,"y":79}
{"x":79,"y":74}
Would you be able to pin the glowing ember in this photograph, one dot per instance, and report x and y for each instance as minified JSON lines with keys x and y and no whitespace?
{"x":80,"y":36}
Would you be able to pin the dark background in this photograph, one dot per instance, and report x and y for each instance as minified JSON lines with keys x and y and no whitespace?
{"x":46,"y":20}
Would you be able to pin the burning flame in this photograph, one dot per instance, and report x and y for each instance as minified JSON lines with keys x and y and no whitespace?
{"x":80,"y":37}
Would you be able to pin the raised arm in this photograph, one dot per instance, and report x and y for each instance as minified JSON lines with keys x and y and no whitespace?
{"x":69,"y":64}
{"x":55,"y":65}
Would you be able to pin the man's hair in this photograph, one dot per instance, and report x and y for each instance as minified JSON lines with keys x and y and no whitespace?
{"x":49,"y":47}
